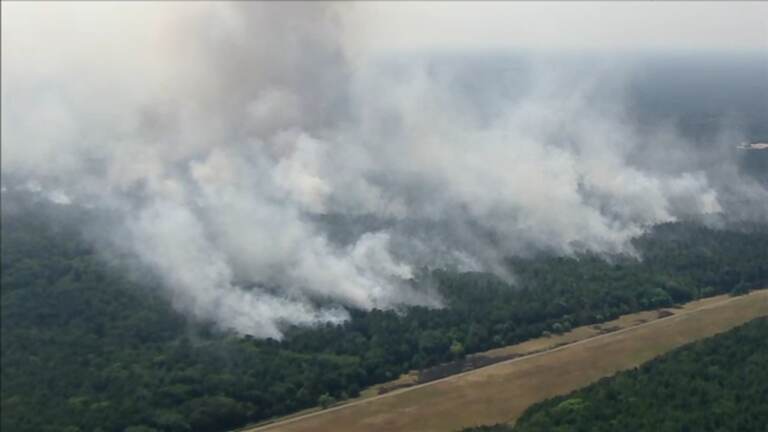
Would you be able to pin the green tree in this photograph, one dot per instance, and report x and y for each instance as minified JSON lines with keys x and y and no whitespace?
{"x":325,"y":400}
{"x":457,"y":349}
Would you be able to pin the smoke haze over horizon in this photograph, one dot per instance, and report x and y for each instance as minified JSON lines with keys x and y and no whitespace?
{"x":238,"y":145}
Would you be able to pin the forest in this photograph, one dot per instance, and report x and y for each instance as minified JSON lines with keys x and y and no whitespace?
{"x":87,"y":347}
{"x":717,"y":384}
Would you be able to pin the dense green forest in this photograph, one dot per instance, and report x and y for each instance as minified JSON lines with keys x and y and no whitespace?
{"x":85,"y":347}
{"x":717,"y":384}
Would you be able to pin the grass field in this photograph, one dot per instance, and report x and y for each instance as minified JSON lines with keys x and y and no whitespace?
{"x":554,"y":365}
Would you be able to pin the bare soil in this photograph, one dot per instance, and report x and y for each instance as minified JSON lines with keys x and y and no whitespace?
{"x":528,"y":372}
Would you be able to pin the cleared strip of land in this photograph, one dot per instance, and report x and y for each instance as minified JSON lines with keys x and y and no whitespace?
{"x":501,"y":392}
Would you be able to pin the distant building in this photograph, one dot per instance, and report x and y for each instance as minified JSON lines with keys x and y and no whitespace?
{"x":755,"y":146}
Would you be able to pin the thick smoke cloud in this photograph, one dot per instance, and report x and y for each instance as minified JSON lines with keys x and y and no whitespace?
{"x":270,"y":179}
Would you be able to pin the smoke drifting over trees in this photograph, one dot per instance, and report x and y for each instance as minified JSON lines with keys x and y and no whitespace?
{"x":270,"y":175}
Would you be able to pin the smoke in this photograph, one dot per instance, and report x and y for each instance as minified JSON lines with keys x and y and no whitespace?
{"x":271,"y":177}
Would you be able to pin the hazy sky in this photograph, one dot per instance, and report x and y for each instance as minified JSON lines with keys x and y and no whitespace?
{"x":601,"y":25}
{"x":432,"y":25}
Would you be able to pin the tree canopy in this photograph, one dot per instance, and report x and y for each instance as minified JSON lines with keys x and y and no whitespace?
{"x":87,"y":348}
{"x":717,"y":384}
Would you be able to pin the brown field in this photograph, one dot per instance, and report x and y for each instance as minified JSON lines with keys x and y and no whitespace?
{"x":553,"y":365}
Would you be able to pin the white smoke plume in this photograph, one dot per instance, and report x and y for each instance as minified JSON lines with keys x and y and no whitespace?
{"x":240,"y":143}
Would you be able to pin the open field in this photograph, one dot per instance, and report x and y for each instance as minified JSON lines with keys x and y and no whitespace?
{"x":501,"y":392}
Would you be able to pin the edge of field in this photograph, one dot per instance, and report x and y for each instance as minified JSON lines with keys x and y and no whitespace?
{"x":525,"y":351}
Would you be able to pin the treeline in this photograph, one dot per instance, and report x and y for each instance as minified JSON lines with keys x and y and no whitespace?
{"x":85,"y":348}
{"x":718,"y":384}
{"x":681,"y":262}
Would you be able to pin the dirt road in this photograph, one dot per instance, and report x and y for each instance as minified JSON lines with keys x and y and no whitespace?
{"x":501,"y":392}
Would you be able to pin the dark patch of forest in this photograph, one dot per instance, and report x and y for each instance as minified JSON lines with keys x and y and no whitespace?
{"x":717,"y":384}
{"x":86,"y":348}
